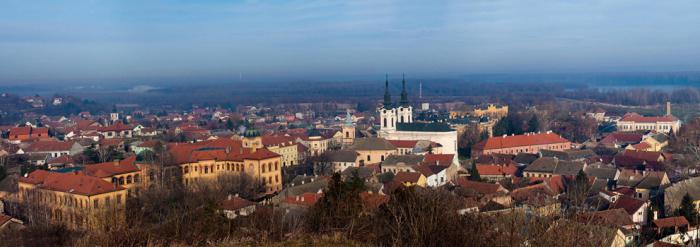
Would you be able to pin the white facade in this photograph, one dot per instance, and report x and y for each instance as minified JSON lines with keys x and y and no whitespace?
{"x":664,"y":127}
{"x":437,"y":180}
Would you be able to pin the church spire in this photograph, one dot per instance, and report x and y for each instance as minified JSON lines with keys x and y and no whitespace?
{"x":404,"y":94}
{"x":387,"y":97}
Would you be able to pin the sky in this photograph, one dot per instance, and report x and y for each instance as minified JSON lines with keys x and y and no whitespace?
{"x":71,"y":41}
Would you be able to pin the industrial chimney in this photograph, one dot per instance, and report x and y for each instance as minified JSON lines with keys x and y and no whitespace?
{"x":668,"y":108}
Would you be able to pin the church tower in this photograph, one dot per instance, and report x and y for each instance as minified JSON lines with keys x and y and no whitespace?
{"x":252,"y":139}
{"x":405,"y":110}
{"x":387,"y":113}
{"x":348,"y":130}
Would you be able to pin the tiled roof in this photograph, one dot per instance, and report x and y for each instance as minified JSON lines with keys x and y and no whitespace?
{"x":677,"y":221}
{"x":634,"y":117}
{"x":108,"y":169}
{"x":480,"y":187}
{"x":284,"y":141}
{"x":629,"y":204}
{"x":439,"y":159}
{"x":403,"y":143}
{"x":520,"y":141}
{"x":611,"y":217}
{"x":70,"y":183}
{"x":622,"y":137}
{"x":235,"y":203}
{"x":410,"y":177}
{"x":408,"y":160}
{"x":496,"y":170}
{"x":307,"y":199}
{"x":48,"y":146}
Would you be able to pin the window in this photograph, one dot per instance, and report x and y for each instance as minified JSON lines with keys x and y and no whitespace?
{"x":369,"y":158}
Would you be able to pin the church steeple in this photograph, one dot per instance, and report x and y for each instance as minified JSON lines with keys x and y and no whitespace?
{"x":387,"y":96}
{"x":404,"y":94}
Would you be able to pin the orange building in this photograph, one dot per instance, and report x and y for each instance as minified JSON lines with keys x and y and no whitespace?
{"x":20,"y":134}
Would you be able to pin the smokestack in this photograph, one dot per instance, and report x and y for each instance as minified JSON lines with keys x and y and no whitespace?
{"x":668,"y":108}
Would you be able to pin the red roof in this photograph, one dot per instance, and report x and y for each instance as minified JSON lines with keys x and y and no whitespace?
{"x":108,"y":169}
{"x":634,"y":117}
{"x":403,"y":144}
{"x":497,"y":170}
{"x":307,"y":199}
{"x":629,"y":204}
{"x":677,"y":221}
{"x":119,"y":126}
{"x":21,"y":130}
{"x":74,"y":183}
{"x":520,"y":141}
{"x":439,"y":159}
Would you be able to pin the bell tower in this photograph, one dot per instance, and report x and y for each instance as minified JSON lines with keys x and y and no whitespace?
{"x":387,"y":113}
{"x":405,"y":110}
{"x":348,"y":130}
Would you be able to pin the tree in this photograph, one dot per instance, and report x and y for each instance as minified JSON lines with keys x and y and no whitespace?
{"x":230,"y":125}
{"x":577,"y":191}
{"x":687,"y":209}
{"x":474,"y":173}
{"x":339,"y":208}
{"x":533,"y":125}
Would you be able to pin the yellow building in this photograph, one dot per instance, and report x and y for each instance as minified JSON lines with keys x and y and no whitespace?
{"x":204,"y":161}
{"x":372,"y":150}
{"x":73,"y":199}
{"x":285,"y":146}
{"x":125,"y":173}
{"x":411,"y":178}
{"x":496,"y":112}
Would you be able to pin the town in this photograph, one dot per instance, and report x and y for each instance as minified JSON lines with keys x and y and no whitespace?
{"x":489,"y":171}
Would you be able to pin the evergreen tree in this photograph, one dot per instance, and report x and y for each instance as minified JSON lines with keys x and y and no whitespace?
{"x":533,"y":125}
{"x":501,"y":127}
{"x":474,"y":173}
{"x":340,"y":205}
{"x":687,"y":209}
{"x":229,"y":124}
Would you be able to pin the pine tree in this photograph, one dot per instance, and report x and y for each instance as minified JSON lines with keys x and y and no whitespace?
{"x":687,"y":209}
{"x":474,"y":173}
{"x":533,"y":125}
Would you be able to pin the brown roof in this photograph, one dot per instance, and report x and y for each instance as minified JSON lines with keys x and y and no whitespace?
{"x":497,"y":170}
{"x":624,"y":137}
{"x":481,"y":187}
{"x":108,"y":169}
{"x":611,"y":217}
{"x":284,"y":141}
{"x":48,"y":146}
{"x":235,"y":203}
{"x":74,"y":183}
{"x":403,"y":177}
{"x":520,"y":141}
{"x":438,"y":159}
{"x":677,"y":221}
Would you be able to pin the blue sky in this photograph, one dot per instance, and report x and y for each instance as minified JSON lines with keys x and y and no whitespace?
{"x":160,"y":41}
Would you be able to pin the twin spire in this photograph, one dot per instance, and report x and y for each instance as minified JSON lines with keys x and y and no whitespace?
{"x":404,"y":94}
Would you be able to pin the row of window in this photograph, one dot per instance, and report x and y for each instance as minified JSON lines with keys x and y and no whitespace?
{"x":47,"y":197}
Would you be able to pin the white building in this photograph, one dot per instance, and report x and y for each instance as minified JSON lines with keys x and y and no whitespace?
{"x":396,"y":123}
{"x":665,"y":124}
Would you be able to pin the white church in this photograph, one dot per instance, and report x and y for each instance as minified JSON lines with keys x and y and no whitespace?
{"x":397,"y":124}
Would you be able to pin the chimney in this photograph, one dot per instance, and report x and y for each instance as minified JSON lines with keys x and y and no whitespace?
{"x":116,"y":162}
{"x":229,"y":197}
{"x":668,"y":108}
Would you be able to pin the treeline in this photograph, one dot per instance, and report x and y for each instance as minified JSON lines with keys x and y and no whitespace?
{"x":413,"y":216}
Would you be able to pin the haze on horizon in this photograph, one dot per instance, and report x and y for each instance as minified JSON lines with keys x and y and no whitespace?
{"x":148,"y":41}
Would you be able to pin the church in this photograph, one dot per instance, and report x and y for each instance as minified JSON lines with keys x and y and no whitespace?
{"x":396,"y":123}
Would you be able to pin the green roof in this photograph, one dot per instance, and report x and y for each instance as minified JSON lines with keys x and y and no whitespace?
{"x":424,"y":127}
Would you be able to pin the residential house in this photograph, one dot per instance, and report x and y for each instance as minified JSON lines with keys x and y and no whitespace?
{"x":636,"y":208}
{"x":235,"y":206}
{"x":550,"y":166}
